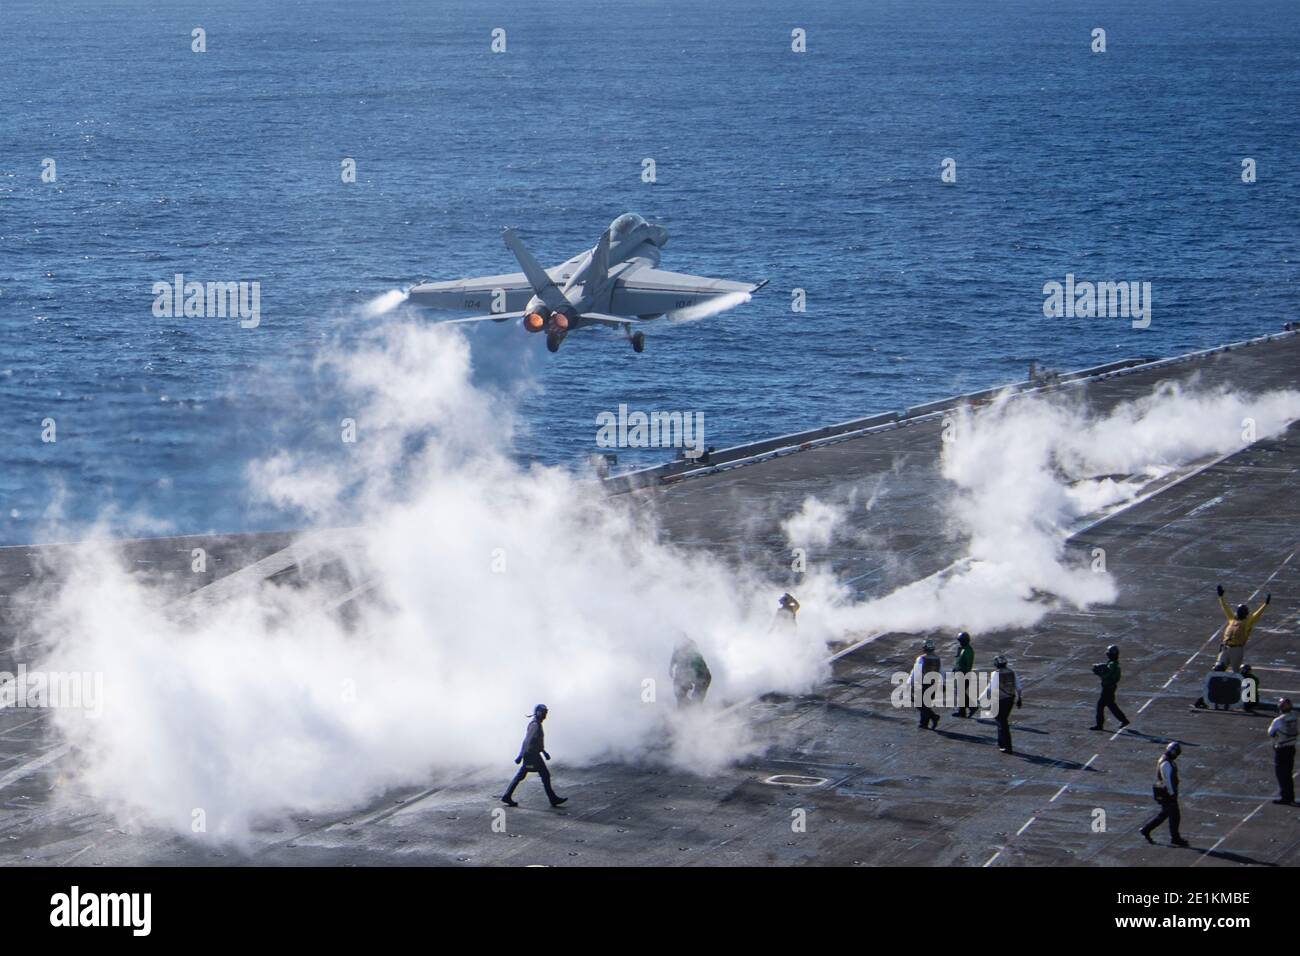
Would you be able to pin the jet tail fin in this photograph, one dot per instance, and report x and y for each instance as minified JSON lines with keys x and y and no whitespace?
{"x":537,"y":277}
{"x":598,"y":271}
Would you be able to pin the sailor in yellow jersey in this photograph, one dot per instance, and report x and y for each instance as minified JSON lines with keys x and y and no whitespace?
{"x":1237,"y":631}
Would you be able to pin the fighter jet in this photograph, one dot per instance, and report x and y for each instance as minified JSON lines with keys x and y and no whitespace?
{"x":615,"y":284}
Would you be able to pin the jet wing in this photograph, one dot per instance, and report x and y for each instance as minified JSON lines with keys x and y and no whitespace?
{"x":474,"y":294}
{"x":477,"y":294}
{"x":649,"y":291}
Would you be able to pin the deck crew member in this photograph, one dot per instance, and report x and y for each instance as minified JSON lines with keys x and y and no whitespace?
{"x":965,"y":664}
{"x":926,"y":663}
{"x":1236,"y":632}
{"x":1109,"y":674}
{"x":1003,"y":693}
{"x":532,"y":757}
{"x":689,"y":673}
{"x":785,"y":613}
{"x":1283,"y":732}
{"x":1166,"y":792}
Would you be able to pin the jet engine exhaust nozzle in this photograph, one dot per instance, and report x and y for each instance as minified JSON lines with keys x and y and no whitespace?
{"x":534,"y":322}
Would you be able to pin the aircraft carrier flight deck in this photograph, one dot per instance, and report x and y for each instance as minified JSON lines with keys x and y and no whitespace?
{"x":874,"y":791}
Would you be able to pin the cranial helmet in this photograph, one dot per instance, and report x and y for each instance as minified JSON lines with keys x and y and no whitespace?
{"x":1113,"y":652}
{"x":999,"y":661}
{"x":928,"y":646}
{"x":1174,"y":748}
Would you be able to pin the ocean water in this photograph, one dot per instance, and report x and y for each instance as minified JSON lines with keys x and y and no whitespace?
{"x":817,"y":170}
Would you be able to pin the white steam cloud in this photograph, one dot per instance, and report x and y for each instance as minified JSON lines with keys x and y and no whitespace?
{"x":814,"y":525}
{"x":710,"y":307}
{"x":384,"y":303}
{"x":495,"y":588}
{"x":1025,"y":472}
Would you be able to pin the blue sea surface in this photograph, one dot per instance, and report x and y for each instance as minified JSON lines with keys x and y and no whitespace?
{"x":817,"y":170}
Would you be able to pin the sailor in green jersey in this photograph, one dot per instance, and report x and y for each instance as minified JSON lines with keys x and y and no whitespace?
{"x":1109,"y":674}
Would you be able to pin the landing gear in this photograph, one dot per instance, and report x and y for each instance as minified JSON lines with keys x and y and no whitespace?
{"x":638,"y":342}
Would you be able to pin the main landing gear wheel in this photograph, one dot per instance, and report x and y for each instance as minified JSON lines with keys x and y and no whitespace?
{"x":638,"y":342}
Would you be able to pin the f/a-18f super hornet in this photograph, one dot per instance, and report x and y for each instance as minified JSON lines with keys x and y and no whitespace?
{"x":615,"y":284}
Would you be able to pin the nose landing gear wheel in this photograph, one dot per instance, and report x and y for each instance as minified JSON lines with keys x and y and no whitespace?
{"x":638,"y":342}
